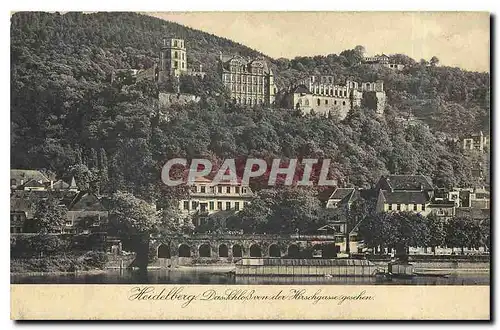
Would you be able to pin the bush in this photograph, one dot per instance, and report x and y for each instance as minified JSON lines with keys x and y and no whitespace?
{"x":95,"y":259}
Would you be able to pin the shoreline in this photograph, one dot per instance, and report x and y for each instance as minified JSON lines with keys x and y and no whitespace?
{"x":87,"y":272}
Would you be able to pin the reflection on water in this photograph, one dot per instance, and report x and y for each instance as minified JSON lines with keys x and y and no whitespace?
{"x":192,"y":277}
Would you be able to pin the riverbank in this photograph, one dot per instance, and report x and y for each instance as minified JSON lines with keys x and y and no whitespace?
{"x":90,"y":261}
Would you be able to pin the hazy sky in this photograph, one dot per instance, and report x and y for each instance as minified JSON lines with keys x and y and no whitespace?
{"x":457,"y":39}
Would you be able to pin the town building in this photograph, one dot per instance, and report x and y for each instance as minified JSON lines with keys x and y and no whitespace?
{"x":249,"y":81}
{"x":28,"y":180}
{"x":384,"y":61}
{"x":399,"y":193}
{"x":205,"y":199}
{"x":86,"y":213}
{"x":478,"y":142}
{"x":323,"y":95}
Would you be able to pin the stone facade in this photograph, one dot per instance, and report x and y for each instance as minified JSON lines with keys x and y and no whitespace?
{"x":249,"y":82}
{"x":173,"y":61}
{"x":322,"y":95}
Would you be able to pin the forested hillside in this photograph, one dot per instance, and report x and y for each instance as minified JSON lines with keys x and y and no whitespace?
{"x":69,"y":119}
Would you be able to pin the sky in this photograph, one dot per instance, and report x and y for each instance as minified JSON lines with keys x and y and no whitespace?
{"x":457,"y":38}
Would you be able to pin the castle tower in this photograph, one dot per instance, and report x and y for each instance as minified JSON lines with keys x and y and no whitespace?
{"x":173,"y":59}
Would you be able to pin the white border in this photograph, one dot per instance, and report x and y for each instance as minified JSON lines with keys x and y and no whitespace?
{"x":186,"y":5}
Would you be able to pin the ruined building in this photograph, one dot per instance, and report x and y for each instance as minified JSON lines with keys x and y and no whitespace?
{"x":322,"y":95}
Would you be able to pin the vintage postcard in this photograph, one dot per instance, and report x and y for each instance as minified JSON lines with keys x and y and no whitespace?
{"x":250,"y":165}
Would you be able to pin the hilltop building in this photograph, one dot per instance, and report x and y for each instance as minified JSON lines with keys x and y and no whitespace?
{"x":249,"y":82}
{"x":383,"y":60}
{"x":173,"y":60}
{"x":322,"y":95}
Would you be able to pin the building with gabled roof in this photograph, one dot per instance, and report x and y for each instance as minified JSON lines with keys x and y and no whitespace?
{"x":405,"y":182}
{"x":19,"y":177}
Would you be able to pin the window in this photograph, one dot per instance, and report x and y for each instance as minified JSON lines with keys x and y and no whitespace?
{"x":237,"y":189}
{"x":203,"y":189}
{"x":414,"y":207}
{"x":326,"y":102}
{"x":176,"y":55}
{"x":423,"y":207}
{"x":228,"y":190}
{"x":211,"y":206}
{"x":335,"y":102}
{"x":228,"y":205}
{"x":246,"y":204}
{"x":390,"y":207}
{"x":219,"y":190}
{"x":219,"y":205}
{"x":182,"y":55}
{"x":186,"y":205}
{"x":176,"y":65}
{"x":398,"y":207}
{"x":194,"y":205}
{"x":193,"y":189}
{"x":183,"y":65}
{"x":319,"y":101}
{"x":243,"y":190}
{"x":175,"y":43}
{"x":336,"y":93}
{"x":237,"y":206}
{"x":343,"y":102}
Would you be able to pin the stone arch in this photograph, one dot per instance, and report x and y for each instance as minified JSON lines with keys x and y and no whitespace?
{"x":274,"y":251}
{"x":223,"y":251}
{"x":163,"y":251}
{"x":255,"y":251}
{"x":237,"y":251}
{"x":204,"y":251}
{"x":293,"y":251}
{"x":184,"y":250}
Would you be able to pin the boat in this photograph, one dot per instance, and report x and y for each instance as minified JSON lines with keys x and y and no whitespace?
{"x":444,"y":275}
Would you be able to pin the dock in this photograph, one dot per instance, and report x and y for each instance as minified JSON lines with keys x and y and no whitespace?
{"x":305,"y":267}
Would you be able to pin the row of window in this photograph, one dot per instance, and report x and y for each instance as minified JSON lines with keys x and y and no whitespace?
{"x":220,"y":189}
{"x":246,"y":89}
{"x":210,"y":206}
{"x":238,"y":68}
{"x":176,"y":55}
{"x":243,"y":78}
{"x":250,"y":101}
{"x":179,"y":44}
{"x":332,"y":92}
{"x":176,"y":65}
{"x":399,"y":207}
{"x":318,"y":102}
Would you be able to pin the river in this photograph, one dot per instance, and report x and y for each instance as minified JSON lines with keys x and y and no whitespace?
{"x":197,"y":277}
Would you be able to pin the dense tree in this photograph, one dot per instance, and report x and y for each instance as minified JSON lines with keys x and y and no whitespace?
{"x":135,"y":220}
{"x":48,"y":216}
{"x":463,"y":232}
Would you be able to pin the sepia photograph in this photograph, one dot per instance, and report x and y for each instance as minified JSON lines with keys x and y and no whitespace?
{"x":199,"y":156}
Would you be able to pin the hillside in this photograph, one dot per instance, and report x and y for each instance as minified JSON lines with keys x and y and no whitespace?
{"x":66,"y":116}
